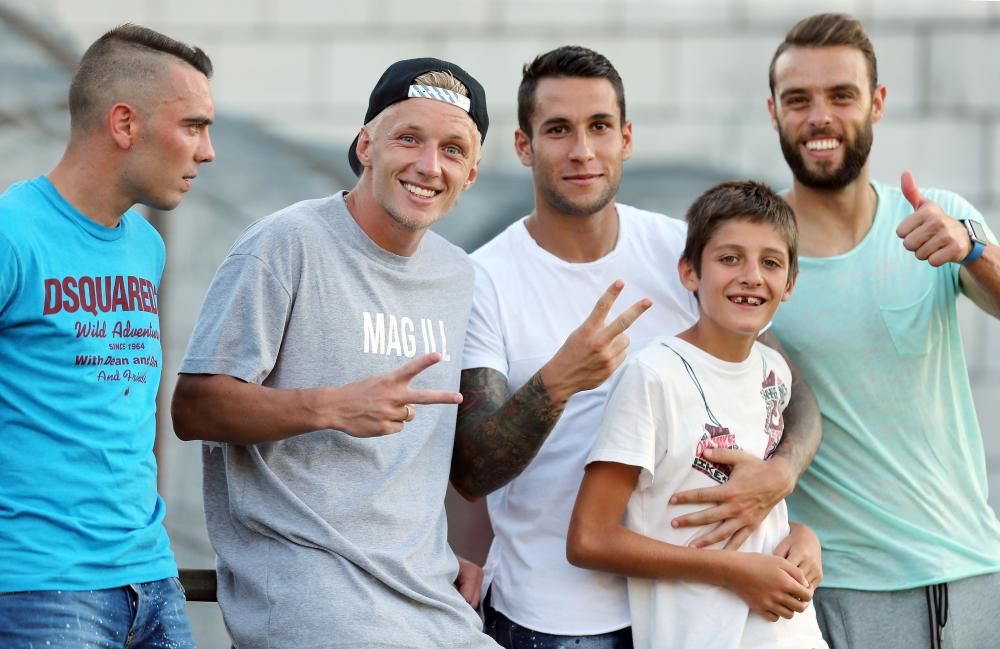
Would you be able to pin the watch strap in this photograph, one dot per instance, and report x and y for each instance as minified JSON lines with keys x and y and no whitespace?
{"x":978,"y":245}
{"x":978,"y":248}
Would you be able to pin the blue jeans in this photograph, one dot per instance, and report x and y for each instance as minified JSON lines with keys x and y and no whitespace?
{"x":511,"y":635}
{"x":149,"y":615}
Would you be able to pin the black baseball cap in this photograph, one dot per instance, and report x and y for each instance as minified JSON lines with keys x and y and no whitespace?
{"x":396,"y":84}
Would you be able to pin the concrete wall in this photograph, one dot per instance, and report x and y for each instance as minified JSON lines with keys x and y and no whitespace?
{"x":695,"y":78}
{"x":695,"y":71}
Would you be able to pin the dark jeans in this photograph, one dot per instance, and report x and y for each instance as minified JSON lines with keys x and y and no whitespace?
{"x":511,"y":635}
{"x":147,"y":616}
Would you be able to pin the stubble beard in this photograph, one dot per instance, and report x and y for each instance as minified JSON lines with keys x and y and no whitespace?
{"x":564,"y":205}
{"x":407,"y":223}
{"x":163,"y":201}
{"x":856,"y":151}
{"x":403,"y":222}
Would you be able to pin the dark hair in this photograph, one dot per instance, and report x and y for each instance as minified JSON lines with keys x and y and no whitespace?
{"x":121,"y":54}
{"x":739,"y":200}
{"x":829,"y":30}
{"x":563,"y":62}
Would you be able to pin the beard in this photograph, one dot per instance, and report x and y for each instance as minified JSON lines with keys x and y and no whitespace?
{"x":856,"y":152}
{"x":565,"y":205}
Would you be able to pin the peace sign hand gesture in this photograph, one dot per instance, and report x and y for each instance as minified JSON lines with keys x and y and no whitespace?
{"x":594,"y":350}
{"x":381,"y":405}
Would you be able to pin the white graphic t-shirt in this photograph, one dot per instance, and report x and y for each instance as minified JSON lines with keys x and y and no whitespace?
{"x":671,"y":402}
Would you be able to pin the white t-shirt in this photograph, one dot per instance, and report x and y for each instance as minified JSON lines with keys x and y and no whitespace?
{"x":526,"y":302}
{"x":671,"y":402}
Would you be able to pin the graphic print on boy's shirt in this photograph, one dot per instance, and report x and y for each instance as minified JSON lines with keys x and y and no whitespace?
{"x":714,"y":437}
{"x":773,"y":392}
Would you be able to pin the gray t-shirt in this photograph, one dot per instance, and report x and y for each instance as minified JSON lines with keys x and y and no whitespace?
{"x":327,"y":540}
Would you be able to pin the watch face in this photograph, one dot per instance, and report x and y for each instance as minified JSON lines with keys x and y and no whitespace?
{"x":976,"y":231}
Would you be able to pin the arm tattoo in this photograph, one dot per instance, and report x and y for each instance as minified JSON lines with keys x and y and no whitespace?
{"x":497,"y":437}
{"x":803,"y":424}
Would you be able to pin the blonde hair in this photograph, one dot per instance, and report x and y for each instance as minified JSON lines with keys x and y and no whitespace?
{"x":443,"y":80}
{"x":438,"y":79}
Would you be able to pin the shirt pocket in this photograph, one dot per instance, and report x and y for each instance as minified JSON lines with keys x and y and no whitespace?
{"x":913,"y":327}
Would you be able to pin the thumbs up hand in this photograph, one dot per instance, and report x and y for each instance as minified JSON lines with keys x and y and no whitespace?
{"x":929,"y":233}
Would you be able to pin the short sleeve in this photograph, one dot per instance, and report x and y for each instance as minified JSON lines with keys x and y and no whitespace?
{"x":634,"y":413}
{"x":484,"y":342}
{"x":10,"y":275}
{"x":242,"y":322}
{"x":161,"y":258}
{"x":957,"y":207}
{"x":786,"y":373}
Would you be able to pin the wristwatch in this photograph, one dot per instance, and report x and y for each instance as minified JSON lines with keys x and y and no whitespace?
{"x":978,"y":236}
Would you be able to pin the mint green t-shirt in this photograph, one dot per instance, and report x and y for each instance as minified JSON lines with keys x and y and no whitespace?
{"x":897,"y":491}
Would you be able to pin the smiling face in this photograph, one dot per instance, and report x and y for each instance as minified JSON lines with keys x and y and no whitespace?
{"x":577,"y":146}
{"x":418,"y":156}
{"x":744,"y":275}
{"x":172,"y":139}
{"x":823,"y":109}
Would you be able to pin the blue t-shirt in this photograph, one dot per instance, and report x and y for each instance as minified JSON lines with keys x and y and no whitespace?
{"x":897,"y":491}
{"x":79,"y":371}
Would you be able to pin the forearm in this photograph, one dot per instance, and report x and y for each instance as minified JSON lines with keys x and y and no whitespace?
{"x":598,"y":540}
{"x":803,"y":423}
{"x":981,"y":281}
{"x":803,"y":429}
{"x":621,"y":551}
{"x":498,"y":436}
{"x":221,"y":408}
{"x":772,"y":586}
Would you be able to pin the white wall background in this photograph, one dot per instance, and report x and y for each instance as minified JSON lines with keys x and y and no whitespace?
{"x":694,"y":71}
{"x":695,"y":75}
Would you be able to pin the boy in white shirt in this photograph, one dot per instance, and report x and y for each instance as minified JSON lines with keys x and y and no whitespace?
{"x":711,"y":386}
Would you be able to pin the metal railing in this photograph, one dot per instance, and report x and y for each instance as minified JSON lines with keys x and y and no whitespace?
{"x":199,"y":584}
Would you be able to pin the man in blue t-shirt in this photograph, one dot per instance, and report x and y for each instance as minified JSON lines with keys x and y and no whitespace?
{"x":84,"y":554}
{"x":897,"y":490}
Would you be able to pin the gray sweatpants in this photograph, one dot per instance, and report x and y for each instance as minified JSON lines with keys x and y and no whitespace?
{"x":856,"y":619}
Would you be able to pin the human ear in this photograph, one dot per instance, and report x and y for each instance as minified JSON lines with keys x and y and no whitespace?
{"x":473,"y":174}
{"x":123,"y":124}
{"x":522,"y":146}
{"x":878,"y":103}
{"x":627,"y":140}
{"x":363,"y":148}
{"x":772,"y":111}
{"x":688,"y":274}
{"x":788,"y":288}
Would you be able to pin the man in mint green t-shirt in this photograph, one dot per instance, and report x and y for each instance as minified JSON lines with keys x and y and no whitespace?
{"x":897,"y":491}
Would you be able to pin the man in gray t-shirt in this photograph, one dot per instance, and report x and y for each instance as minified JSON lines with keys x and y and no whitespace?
{"x":331,"y":325}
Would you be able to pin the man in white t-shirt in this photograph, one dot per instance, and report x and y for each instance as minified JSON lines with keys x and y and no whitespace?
{"x":538,"y":352}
